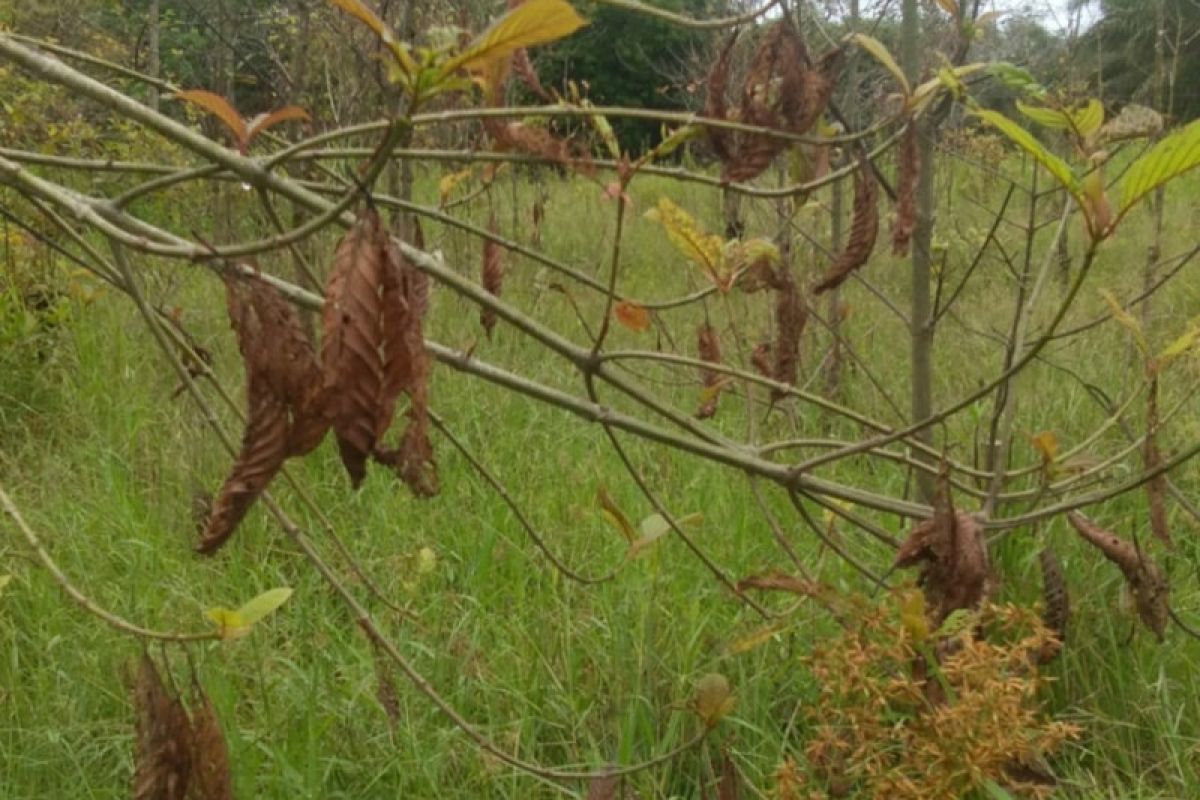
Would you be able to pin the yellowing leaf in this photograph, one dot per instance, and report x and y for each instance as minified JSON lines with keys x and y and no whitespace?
{"x":236,"y":624}
{"x":449,"y":182}
{"x":1087,"y":120}
{"x":364,"y":14}
{"x":884,"y":57}
{"x":713,"y":699}
{"x":1046,"y":443}
{"x":220,"y":108}
{"x":949,"y":6}
{"x":757,"y":638}
{"x":912,"y":615}
{"x":1181,"y":345}
{"x":632,"y":316}
{"x":615,"y":516}
{"x":1024,"y":139}
{"x":704,"y":249}
{"x":607,"y":135}
{"x":1170,"y":158}
{"x":930,"y":88}
{"x":673,"y":140}
{"x":1046,"y":117}
{"x":1127,"y":320}
{"x":531,"y":23}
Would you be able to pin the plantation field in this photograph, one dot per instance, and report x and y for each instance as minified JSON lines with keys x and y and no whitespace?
{"x":105,"y":460}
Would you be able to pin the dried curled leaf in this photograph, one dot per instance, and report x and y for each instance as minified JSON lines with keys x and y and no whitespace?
{"x":864,"y":227}
{"x":791,"y":315}
{"x":951,"y":548}
{"x":493,"y":276}
{"x":906,"y":191}
{"x":211,"y":775}
{"x":633,"y":316}
{"x":1058,"y":603}
{"x":709,"y":345}
{"x":162,"y":744}
{"x":1156,"y":487}
{"x":778,"y":92}
{"x":1146,"y":579}
{"x":351,"y":349}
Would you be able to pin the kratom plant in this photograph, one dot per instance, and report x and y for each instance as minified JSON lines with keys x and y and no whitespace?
{"x":753,"y":316}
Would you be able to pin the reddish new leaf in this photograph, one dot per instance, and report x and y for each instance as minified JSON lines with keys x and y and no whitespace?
{"x":632,"y":316}
{"x":270,"y":119}
{"x":709,"y":346}
{"x":220,"y":108}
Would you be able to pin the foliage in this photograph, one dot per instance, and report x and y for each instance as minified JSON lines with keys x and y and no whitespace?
{"x":876,"y":732}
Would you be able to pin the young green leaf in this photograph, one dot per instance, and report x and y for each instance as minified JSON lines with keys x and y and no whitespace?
{"x":531,"y":23}
{"x":238,"y":623}
{"x":881,"y":54}
{"x":1181,"y":345}
{"x":1025,"y":140}
{"x":1170,"y":158}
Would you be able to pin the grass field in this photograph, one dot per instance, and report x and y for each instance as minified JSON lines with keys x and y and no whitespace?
{"x":103,"y":462}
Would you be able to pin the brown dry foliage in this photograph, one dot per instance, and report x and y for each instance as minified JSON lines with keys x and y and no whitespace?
{"x":791,"y":315}
{"x":709,"y":345}
{"x":285,"y":412}
{"x":1058,"y":603}
{"x":779,"y":92}
{"x":953,"y":555}
{"x":864,"y":228}
{"x":906,"y":191}
{"x":492,"y":276}
{"x":163,"y":736}
{"x":874,"y":733}
{"x":211,"y":776}
{"x":1146,"y":579}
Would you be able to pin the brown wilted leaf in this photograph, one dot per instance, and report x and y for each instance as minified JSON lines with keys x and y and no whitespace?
{"x":351,"y":349}
{"x":162,"y":745}
{"x":1156,"y":487}
{"x":632,"y":316}
{"x":1058,"y":603}
{"x":906,"y":191}
{"x":211,"y":775}
{"x":760,"y":357}
{"x":263,"y":451}
{"x":950,"y":545}
{"x":714,"y":101}
{"x":778,"y":581}
{"x":604,"y":787}
{"x":1146,"y":579}
{"x":864,"y":227}
{"x":709,"y":346}
{"x":791,"y":315}
{"x":493,"y":276}
{"x":406,"y":368}
{"x":729,"y":786}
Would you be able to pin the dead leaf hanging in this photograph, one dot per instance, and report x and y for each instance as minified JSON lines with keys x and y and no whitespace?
{"x":709,"y":346}
{"x":1146,"y":579}
{"x":864,"y":227}
{"x":162,"y":744}
{"x":211,"y":775}
{"x":906,"y":191}
{"x":791,"y":315}
{"x":493,"y":275}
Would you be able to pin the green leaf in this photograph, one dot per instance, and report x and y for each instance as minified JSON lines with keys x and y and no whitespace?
{"x":531,"y":23}
{"x":947,"y":78}
{"x":1167,"y":160}
{"x":1050,"y":118}
{"x":236,"y":624}
{"x":653,"y":528}
{"x":1017,"y":78}
{"x":883,"y":56}
{"x":1087,"y":120}
{"x":1025,"y":140}
{"x":1181,"y":345}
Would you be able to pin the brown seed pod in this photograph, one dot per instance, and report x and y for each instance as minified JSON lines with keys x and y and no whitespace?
{"x":906,"y":191}
{"x":492,"y":276}
{"x":1058,"y":602}
{"x":709,"y":346}
{"x":863,"y":229}
{"x":791,"y":315}
{"x":1146,"y":580}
